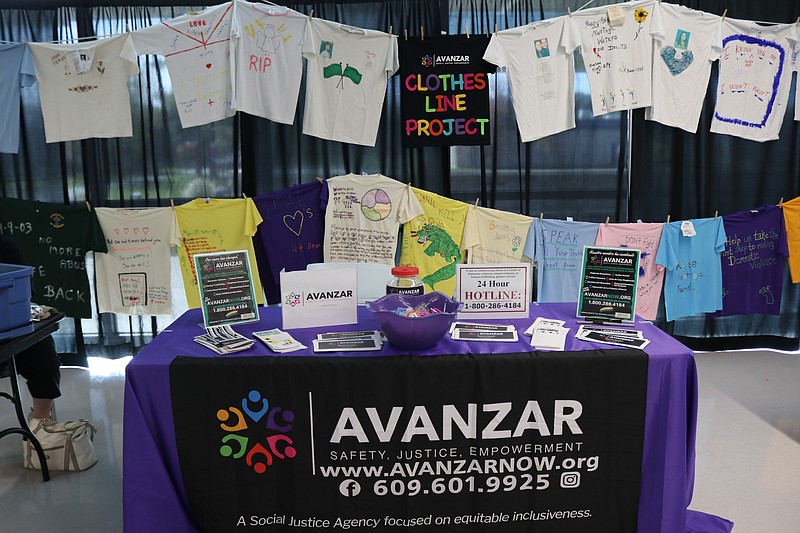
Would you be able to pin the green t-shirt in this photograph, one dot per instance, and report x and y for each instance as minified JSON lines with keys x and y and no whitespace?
{"x":55,"y":239}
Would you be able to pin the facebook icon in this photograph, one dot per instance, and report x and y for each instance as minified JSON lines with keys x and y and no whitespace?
{"x":350,"y":488}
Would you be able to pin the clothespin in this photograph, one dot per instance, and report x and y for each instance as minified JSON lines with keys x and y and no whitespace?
{"x":781,"y":202}
{"x":88,"y":206}
{"x":667,"y":219}
{"x":607,"y":219}
{"x":127,"y":28}
{"x":311,"y":14}
{"x":724,"y":13}
{"x":569,"y":12}
{"x":422,"y":33}
{"x":466,"y":30}
{"x":716,"y":215}
{"x":172,"y":203}
{"x":541,"y":216}
{"x":320,"y":179}
{"x":244,"y":196}
{"x":405,"y":34}
{"x":477,"y":201}
{"x":495,"y":28}
{"x":487,"y":30}
{"x":391,"y":28}
{"x":798,"y":20}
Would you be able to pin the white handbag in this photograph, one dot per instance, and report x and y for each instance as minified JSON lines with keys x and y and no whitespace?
{"x":66,"y":445}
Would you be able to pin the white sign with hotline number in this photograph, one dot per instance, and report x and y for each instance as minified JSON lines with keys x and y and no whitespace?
{"x":494,"y":291}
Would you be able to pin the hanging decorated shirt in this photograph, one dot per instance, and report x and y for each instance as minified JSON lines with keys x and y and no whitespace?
{"x":690,"y":251}
{"x":133,"y":278}
{"x":346,"y":78}
{"x":363,"y":214}
{"x":83,"y":88}
{"x":55,"y":239}
{"x":755,"y":74}
{"x":292,"y":231}
{"x":213,"y":225}
{"x":685,"y":43}
{"x":197,"y":50}
{"x":616,"y":46}
{"x":752,"y":263}
{"x":541,"y":75}
{"x":492,"y":236}
{"x":431,"y":241}
{"x":444,"y":90}
{"x":268,"y":60}
{"x":791,"y":216}
{"x":644,"y":237}
{"x":17,"y":68}
{"x":557,"y":248}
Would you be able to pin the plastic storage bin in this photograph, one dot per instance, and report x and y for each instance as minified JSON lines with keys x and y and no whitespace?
{"x":15,"y":300}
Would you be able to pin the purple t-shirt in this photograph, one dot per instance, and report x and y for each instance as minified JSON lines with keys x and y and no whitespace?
{"x":292,"y":230}
{"x":752,"y":263}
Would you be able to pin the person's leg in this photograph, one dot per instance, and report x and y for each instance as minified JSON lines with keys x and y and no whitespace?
{"x":41,"y":367}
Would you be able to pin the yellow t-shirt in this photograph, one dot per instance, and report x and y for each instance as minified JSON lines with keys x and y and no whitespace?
{"x":216,"y":226}
{"x":430,"y":241}
{"x":492,"y":236}
{"x":791,"y":215}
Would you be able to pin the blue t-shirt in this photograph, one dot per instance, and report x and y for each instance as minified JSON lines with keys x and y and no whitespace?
{"x":557,"y":247}
{"x":16,"y":70}
{"x":693,"y":282}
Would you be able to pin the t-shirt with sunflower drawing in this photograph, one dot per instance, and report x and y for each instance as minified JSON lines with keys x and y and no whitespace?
{"x":363,"y":214}
{"x":431,"y":241}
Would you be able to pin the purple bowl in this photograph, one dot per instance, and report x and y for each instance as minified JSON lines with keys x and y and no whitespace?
{"x":414,"y":333}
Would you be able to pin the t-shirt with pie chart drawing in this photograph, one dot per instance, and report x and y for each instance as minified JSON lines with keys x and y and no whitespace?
{"x":363,"y":214}
{"x":755,"y":75}
{"x":197,"y":49}
{"x":685,"y":44}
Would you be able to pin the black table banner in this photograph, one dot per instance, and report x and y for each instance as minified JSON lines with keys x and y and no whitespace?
{"x":540,"y":441}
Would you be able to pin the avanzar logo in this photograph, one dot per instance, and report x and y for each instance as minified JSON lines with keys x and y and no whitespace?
{"x":256,"y":432}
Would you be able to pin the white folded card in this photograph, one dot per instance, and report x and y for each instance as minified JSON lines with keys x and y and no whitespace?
{"x":313,"y":298}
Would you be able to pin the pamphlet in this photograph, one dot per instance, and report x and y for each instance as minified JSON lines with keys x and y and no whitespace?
{"x":549,"y":338}
{"x":484,"y":335}
{"x":356,"y":344}
{"x":279,"y":341}
{"x":223,"y":340}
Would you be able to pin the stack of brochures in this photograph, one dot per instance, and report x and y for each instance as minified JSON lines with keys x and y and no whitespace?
{"x":349,"y":341}
{"x":223,"y":340}
{"x":279,"y":341}
{"x":468,"y":331}
{"x":547,"y":334}
{"x":629,"y":338}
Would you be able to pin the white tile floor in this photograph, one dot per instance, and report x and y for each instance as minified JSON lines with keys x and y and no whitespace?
{"x":748,"y":449}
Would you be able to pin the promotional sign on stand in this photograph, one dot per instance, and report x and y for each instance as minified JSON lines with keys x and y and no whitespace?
{"x":225,"y":282}
{"x":309,"y":299}
{"x":608,"y":284}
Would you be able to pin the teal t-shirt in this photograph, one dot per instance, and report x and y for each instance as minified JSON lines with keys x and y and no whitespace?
{"x":55,"y":239}
{"x":693,"y":281}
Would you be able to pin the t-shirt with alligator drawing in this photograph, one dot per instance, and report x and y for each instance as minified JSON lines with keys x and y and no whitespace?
{"x":492,"y":236}
{"x":346,"y":77}
{"x":197,"y":49}
{"x":363,"y":214}
{"x":431,"y":241}
{"x":646,"y":238}
{"x":215,"y":225}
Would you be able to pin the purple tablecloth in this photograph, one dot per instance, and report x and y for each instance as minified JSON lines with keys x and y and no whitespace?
{"x":155,"y":499}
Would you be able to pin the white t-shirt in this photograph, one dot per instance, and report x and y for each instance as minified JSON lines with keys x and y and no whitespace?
{"x":83,"y":88}
{"x":346,"y":80}
{"x":541,"y":75}
{"x":362,"y":216}
{"x":492,"y":236}
{"x":268,"y":60}
{"x":133,"y":278}
{"x":685,"y":43}
{"x":197,"y":48}
{"x":755,"y":73}
{"x":618,"y":59}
